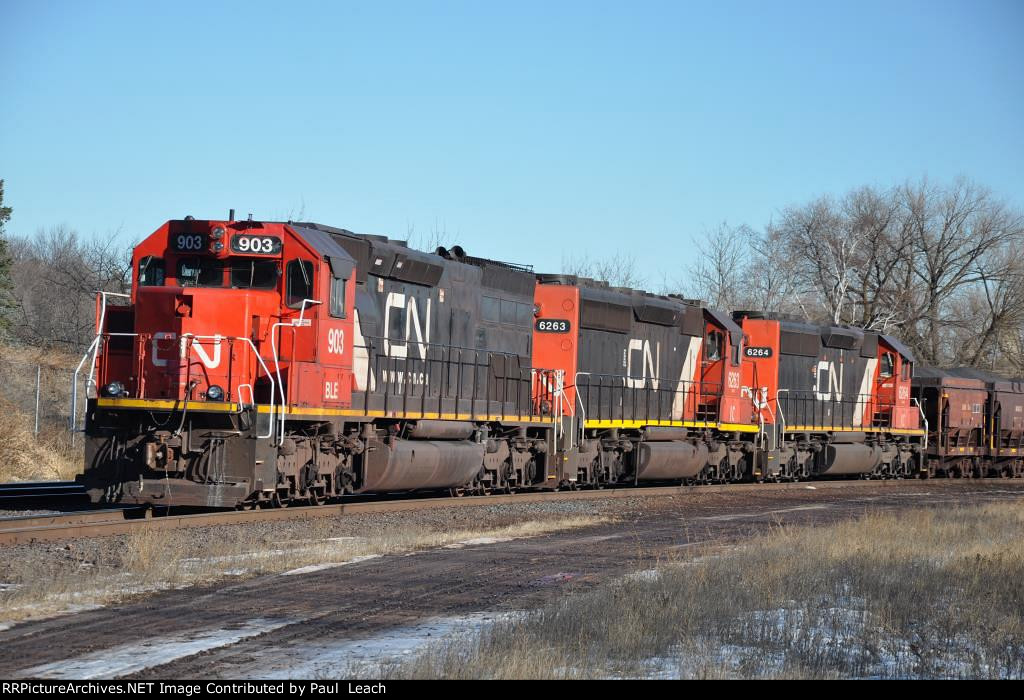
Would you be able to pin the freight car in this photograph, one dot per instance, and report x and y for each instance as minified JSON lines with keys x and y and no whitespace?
{"x":976,"y":422}
{"x":268,"y":363}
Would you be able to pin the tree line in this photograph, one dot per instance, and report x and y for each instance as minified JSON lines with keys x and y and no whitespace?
{"x":938,"y":264}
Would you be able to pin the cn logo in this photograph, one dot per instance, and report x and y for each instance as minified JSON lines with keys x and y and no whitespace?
{"x":404,"y":311}
{"x":183,"y":346}
{"x":827,"y":383}
{"x":650,"y":364}
{"x":336,"y":341}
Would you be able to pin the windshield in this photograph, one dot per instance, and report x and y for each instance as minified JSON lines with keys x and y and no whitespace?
{"x":200,"y":272}
{"x":253,"y":274}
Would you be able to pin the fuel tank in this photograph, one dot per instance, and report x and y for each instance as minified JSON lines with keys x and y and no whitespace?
{"x":659,"y":461}
{"x":421,"y":464}
{"x":840,"y":459}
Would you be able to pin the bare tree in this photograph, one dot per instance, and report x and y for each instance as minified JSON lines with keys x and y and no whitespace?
{"x":951,"y":231}
{"x":56,"y":274}
{"x":720,"y":273}
{"x":618,"y":270}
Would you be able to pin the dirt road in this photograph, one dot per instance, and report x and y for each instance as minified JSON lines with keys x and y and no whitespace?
{"x":315,"y":622}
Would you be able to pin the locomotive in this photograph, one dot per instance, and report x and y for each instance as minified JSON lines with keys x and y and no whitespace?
{"x":260,"y":364}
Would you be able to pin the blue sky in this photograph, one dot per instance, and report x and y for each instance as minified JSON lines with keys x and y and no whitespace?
{"x":528,"y":131}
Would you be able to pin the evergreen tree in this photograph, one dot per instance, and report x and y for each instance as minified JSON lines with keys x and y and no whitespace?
{"x":6,"y":287}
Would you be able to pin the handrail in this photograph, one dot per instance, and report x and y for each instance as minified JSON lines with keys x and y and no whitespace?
{"x":782,"y":414}
{"x":191,"y":337}
{"x":920,"y":410}
{"x":301,"y":321}
{"x":73,"y":422}
{"x":93,"y":349}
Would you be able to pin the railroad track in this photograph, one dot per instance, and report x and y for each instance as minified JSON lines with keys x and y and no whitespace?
{"x":121,"y":521}
{"x":33,"y":491}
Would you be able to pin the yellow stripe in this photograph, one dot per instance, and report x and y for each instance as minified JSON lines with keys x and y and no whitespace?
{"x":670,"y":423}
{"x":409,"y":415}
{"x":165,"y":404}
{"x":840,"y":429}
{"x":168,"y":404}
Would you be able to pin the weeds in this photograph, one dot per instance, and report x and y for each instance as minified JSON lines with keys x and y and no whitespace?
{"x":921,"y":594}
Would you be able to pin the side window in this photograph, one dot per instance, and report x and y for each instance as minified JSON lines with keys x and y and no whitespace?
{"x":490,"y":309}
{"x":888,"y":365}
{"x":713,"y":347}
{"x":151,"y":272}
{"x":524,"y":314}
{"x":735,"y":355}
{"x":299,"y":284}
{"x":337,"y":298}
{"x":508,"y":311}
{"x":905,"y":369}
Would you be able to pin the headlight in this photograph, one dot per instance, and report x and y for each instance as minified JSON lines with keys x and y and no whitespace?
{"x":217,"y":232}
{"x":214,"y":393}
{"x":114,"y":389}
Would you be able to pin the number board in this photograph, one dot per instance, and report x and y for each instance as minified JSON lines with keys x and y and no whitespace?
{"x":551,"y":325}
{"x":190,"y":242}
{"x":256,"y":245}
{"x":758,"y":352}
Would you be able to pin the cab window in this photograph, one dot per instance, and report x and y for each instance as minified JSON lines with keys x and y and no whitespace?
{"x":713,"y":347}
{"x":905,"y":369}
{"x":337,"y":298}
{"x":200,"y":272}
{"x":888,"y":365}
{"x":253,"y":274}
{"x":151,"y":272}
{"x":299,"y":285}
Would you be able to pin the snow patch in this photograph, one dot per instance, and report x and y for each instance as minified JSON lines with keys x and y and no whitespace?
{"x":329,"y":565}
{"x":132,"y":658}
{"x":477,"y":540}
{"x":387,"y":646}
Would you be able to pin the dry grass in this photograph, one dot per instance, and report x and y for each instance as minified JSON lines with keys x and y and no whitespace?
{"x":50,"y":455}
{"x":922,"y":594}
{"x":39,"y":583}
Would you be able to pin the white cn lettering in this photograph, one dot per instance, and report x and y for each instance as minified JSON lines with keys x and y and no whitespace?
{"x":414,"y":330}
{"x":213,"y":362}
{"x":833,"y":382}
{"x":649,"y":363}
{"x":157,"y":337}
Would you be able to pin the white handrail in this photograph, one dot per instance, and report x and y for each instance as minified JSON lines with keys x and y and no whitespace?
{"x":259,"y":359}
{"x":99,"y":331}
{"x":920,"y":410}
{"x":294,"y":323}
{"x":73,"y":423}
